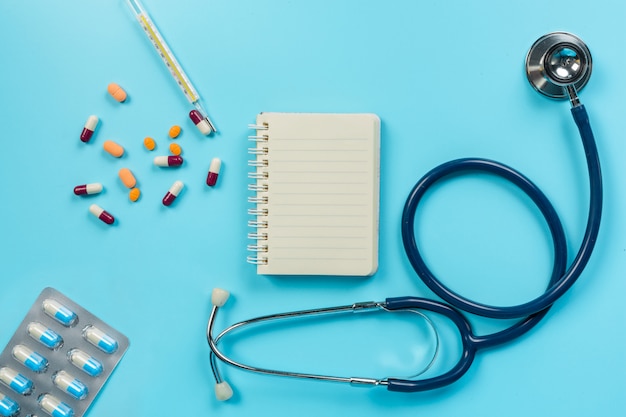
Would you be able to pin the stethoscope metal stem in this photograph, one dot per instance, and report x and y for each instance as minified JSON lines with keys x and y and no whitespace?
{"x":281,"y":316}
{"x":359,"y":307}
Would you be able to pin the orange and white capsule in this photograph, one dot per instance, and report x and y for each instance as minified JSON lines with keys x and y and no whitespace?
{"x":100,"y":213}
{"x":88,"y":189}
{"x":214,"y":172}
{"x":89,"y":128}
{"x":173,"y":192}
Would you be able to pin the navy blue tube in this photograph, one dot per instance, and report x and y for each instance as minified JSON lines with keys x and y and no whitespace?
{"x":561,"y":280}
{"x":557,"y":287}
{"x":465,"y":331}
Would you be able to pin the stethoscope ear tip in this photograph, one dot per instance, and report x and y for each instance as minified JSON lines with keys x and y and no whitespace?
{"x":223,"y":391}
{"x":219,"y":297}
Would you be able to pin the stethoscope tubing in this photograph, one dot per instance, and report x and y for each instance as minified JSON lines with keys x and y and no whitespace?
{"x":566,"y":280}
{"x":562,"y":278}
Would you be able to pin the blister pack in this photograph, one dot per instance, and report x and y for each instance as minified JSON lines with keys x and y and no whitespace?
{"x":58,"y":359}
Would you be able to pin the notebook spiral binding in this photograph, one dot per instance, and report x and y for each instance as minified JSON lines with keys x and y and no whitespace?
{"x":260,"y":198}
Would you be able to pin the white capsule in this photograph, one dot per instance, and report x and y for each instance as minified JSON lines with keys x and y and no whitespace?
{"x":16,"y":381}
{"x":44,"y":335}
{"x":214,"y":172}
{"x":100,"y":339}
{"x":88,"y":189}
{"x":30,"y":359}
{"x":83,"y":361}
{"x":54,"y":407}
{"x":89,"y":128}
{"x":59,"y":312}
{"x":8,"y":407}
{"x":173,"y":192}
{"x":168,"y":161}
{"x":70,"y":385}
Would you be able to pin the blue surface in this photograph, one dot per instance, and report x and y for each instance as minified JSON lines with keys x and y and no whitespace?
{"x":447,"y":82}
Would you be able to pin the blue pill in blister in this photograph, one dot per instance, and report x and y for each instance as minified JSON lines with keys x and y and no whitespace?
{"x":59,"y":312}
{"x":67,"y":383}
{"x":99,"y":339}
{"x":54,"y":407}
{"x":8,"y":407}
{"x":85,"y":362}
{"x":16,"y":381}
{"x":44,"y":335}
{"x":30,"y":359}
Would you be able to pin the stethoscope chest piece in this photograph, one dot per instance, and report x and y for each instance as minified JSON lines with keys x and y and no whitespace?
{"x":558,"y":60}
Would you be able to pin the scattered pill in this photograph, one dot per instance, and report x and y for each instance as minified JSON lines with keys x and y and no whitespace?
{"x":149,"y":143}
{"x":99,"y":339}
{"x":175,"y":149}
{"x":117,"y":92}
{"x":174,"y":131}
{"x":113,"y":148}
{"x":30,"y":359}
{"x":83,"y":361}
{"x":88,"y":129}
{"x":127,"y":177}
{"x":201,"y":123}
{"x":134,"y":194}
{"x":54,"y":407}
{"x":8,"y":407}
{"x":67,"y":383}
{"x":59,"y":312}
{"x":168,"y":161}
{"x":173,"y":192}
{"x":87,"y":189}
{"x":44,"y":335}
{"x":100,"y":213}
{"x":16,"y":381}
{"x":214,"y":172}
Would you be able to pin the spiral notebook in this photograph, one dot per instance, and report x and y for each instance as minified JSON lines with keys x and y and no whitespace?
{"x":316,"y":194}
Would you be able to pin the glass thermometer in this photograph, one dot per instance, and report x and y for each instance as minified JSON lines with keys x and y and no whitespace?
{"x":198,"y":116}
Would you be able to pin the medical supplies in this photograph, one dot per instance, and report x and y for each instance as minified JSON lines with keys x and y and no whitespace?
{"x":58,"y":359}
{"x":89,"y":128}
{"x":101,"y":214}
{"x":214,"y":172}
{"x":172,"y":193}
{"x":117,"y":92}
{"x":558,"y":61}
{"x":88,"y":189}
{"x":173,"y":66}
{"x":113,"y":148}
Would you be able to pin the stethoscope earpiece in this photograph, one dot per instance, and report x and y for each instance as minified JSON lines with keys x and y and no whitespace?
{"x":558,"y":65}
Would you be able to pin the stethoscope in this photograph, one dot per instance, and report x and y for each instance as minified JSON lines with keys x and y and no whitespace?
{"x":557,"y":65}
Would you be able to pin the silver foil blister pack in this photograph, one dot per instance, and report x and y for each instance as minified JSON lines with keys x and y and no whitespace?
{"x":58,"y":359}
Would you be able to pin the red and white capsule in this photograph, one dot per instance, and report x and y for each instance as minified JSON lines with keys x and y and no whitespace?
{"x":214,"y":172}
{"x":89,"y":128}
{"x":87,"y":189}
{"x":168,"y":161}
{"x":201,"y":122}
{"x":100,"y":213}
{"x":173,"y":192}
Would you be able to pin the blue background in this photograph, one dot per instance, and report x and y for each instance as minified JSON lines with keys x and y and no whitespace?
{"x":447,"y":80}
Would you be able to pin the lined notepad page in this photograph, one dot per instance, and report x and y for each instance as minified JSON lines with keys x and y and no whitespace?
{"x":323,"y":193}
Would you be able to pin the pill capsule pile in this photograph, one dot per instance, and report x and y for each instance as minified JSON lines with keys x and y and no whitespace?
{"x":58,"y":359}
{"x":126,"y":176}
